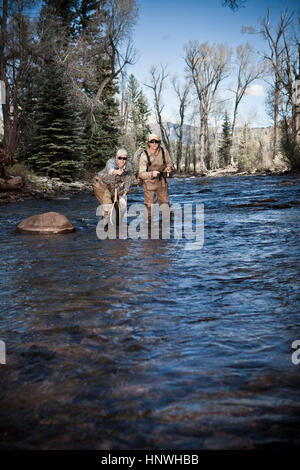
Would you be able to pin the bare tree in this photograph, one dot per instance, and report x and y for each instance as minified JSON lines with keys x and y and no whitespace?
{"x":93,"y":58}
{"x":217,"y":116}
{"x":187,"y":156}
{"x":16,"y":68}
{"x":233,"y":4}
{"x":157,"y":81}
{"x":118,"y":49}
{"x":277,"y":47}
{"x":247,"y":70}
{"x":207,"y":66}
{"x":193,"y":156}
{"x":182,"y":92}
{"x":124,"y":103}
{"x":101,"y":53}
{"x":275,"y":40}
{"x":3,"y":66}
{"x":288,"y":74}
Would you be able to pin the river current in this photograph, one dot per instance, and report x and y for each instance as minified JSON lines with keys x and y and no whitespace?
{"x":141,"y":344}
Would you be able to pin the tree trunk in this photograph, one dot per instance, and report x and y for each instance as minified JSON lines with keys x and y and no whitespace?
{"x":194,"y":157}
{"x":3,"y":77}
{"x":276,"y":113}
{"x":179,"y":148}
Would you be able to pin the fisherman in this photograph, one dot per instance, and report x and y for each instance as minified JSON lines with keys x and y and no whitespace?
{"x":113,"y":183}
{"x":154,"y":167}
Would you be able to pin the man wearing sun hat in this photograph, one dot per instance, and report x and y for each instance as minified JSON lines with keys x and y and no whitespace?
{"x":155,"y":164}
{"x":113,"y":182}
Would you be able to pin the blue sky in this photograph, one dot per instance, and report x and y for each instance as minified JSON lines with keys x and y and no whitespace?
{"x":165,"y":26}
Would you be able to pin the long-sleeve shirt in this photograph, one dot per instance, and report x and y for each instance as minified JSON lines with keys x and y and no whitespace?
{"x":156,"y":162}
{"x":121,"y":182}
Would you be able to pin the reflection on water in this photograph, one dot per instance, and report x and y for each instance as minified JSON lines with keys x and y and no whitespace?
{"x":127,"y":344}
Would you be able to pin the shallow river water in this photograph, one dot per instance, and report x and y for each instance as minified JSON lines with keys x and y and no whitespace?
{"x":141,"y":344}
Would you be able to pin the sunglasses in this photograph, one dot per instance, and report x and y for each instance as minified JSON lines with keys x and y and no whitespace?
{"x":122,"y":158}
{"x":154,"y":141}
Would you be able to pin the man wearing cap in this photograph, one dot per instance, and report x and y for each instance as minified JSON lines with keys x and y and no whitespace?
{"x":152,"y":170}
{"x":113,"y":182}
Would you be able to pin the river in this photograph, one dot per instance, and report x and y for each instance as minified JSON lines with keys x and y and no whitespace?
{"x":141,"y":344}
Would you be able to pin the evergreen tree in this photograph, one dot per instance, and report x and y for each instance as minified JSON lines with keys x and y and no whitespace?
{"x":247,"y":152}
{"x":138,"y":113}
{"x":24,"y":149}
{"x":87,"y":18}
{"x":63,"y":16}
{"x":103,"y":135}
{"x":225,"y":146}
{"x":144,"y":112}
{"x":290,"y":144}
{"x":58,"y":145}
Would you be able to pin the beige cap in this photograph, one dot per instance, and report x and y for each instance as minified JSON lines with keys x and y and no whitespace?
{"x":121,"y":152}
{"x":153,"y":137}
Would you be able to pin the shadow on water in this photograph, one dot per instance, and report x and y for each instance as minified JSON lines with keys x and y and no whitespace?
{"x":128,"y":344}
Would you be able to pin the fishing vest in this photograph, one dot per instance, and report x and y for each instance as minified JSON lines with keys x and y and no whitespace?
{"x":158,"y":162}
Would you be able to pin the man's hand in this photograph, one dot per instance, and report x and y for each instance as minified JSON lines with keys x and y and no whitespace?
{"x":117,"y":172}
{"x":155,"y":173}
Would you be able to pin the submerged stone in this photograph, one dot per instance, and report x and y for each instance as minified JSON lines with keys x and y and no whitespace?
{"x":48,"y":222}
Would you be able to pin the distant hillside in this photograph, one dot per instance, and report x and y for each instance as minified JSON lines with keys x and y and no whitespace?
{"x":256,"y":132}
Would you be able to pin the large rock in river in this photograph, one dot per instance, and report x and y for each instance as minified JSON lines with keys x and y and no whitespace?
{"x":49,"y":222}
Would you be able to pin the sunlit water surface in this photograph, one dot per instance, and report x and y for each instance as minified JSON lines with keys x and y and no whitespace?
{"x":141,"y":344}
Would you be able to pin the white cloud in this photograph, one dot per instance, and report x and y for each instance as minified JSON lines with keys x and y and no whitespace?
{"x":255,"y":90}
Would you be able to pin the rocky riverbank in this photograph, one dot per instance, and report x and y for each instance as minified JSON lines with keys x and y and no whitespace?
{"x":38,"y":187}
{"x":232,"y":171}
{"x":42,"y":187}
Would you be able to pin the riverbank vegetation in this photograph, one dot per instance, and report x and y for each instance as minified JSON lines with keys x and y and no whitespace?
{"x":69,"y":99}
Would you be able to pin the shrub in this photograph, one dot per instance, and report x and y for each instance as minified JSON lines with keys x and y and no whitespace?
{"x":19,"y":169}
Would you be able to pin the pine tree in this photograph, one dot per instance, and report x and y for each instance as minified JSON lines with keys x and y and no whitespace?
{"x":290,"y":144}
{"x":24,"y":150}
{"x":225,"y":146}
{"x":247,"y":152}
{"x":143,"y":114}
{"x":58,"y":145}
{"x":63,"y":16}
{"x":103,"y":135}
{"x":138,"y":113}
{"x":88,"y":17}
